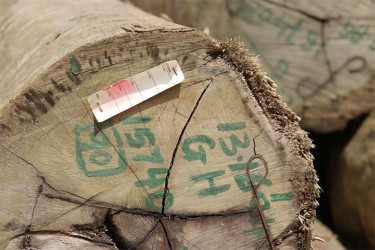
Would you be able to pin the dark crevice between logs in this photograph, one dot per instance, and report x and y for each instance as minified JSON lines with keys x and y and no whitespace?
{"x":326,"y":152}
{"x":113,"y":234}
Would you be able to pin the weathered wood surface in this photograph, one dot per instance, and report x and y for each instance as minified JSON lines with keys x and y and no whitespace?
{"x":168,"y":173}
{"x":353,"y":202}
{"x":320,"y":53}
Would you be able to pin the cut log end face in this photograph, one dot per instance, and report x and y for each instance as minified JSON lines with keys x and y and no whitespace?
{"x":171,"y":172}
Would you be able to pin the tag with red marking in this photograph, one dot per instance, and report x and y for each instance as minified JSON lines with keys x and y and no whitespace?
{"x":138,"y":88}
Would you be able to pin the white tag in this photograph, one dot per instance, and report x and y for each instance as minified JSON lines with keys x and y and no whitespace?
{"x":130,"y":92}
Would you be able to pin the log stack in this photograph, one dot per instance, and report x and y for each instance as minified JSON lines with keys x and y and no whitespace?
{"x":218,"y":161}
{"x":321,"y":55}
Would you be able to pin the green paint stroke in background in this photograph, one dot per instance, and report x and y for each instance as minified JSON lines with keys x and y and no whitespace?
{"x":231,"y":126}
{"x":75,"y":67}
{"x":282,"y":197}
{"x":136,"y":120}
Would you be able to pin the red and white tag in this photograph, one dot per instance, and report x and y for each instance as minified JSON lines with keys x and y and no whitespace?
{"x":138,"y":88}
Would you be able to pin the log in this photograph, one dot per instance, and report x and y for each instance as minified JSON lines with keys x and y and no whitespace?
{"x":321,"y":55}
{"x":353,"y":201}
{"x":218,"y":161}
{"x":324,"y":238}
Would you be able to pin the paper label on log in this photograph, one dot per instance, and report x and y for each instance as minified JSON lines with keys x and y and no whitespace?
{"x":138,"y":88}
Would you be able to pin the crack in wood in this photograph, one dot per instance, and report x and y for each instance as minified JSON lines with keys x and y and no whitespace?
{"x":324,"y":47}
{"x":135,"y":29}
{"x":166,"y":190}
{"x":166,"y":235}
{"x":40,"y":175}
{"x":119,"y":209}
{"x":57,"y":233}
{"x":147,"y":235}
{"x":321,"y":20}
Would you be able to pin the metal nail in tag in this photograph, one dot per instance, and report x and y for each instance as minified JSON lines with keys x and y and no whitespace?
{"x":138,"y":88}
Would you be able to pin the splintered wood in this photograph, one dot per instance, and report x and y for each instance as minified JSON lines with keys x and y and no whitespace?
{"x":321,"y":53}
{"x":217,"y":162}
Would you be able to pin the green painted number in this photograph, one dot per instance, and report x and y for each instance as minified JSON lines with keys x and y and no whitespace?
{"x":200,"y":154}
{"x":212,"y":189}
{"x":152,"y":180}
{"x":155,"y":156}
{"x":235,"y":143}
{"x":139,"y":138}
{"x":158,"y":195}
{"x":96,"y":147}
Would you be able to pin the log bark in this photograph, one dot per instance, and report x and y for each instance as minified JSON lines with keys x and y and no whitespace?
{"x":353,"y":181}
{"x":170,"y":173}
{"x":320,"y":54}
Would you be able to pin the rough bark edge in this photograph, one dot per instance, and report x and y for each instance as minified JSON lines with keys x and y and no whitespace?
{"x":286,"y":125}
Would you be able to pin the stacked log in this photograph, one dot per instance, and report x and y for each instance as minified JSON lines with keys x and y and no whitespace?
{"x":320,"y":55}
{"x":353,"y":202}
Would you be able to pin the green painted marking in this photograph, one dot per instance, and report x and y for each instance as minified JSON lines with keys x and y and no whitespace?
{"x":294,"y":28}
{"x":266,"y":15}
{"x":183,"y":248}
{"x":231,"y":126}
{"x":139,"y":138}
{"x":282,"y":69}
{"x":282,"y":197}
{"x":150,"y":201}
{"x":355,"y":33}
{"x":321,"y":47}
{"x":75,"y":67}
{"x":372,"y":46}
{"x":152,"y":180}
{"x":261,"y":197}
{"x":136,"y":120}
{"x":200,"y":154}
{"x":95,"y":147}
{"x":312,"y":39}
{"x":155,"y":156}
{"x":235,"y":143}
{"x":242,"y":180}
{"x":212,"y":188}
{"x":107,"y":157}
{"x":248,"y":10}
{"x":257,"y":228}
{"x":243,"y":183}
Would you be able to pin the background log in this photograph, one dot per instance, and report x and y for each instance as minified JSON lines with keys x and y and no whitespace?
{"x":322,"y":232}
{"x":321,"y":55}
{"x":353,"y":181}
{"x":168,"y":173}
